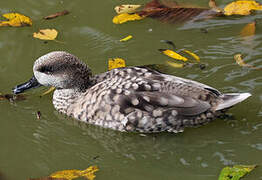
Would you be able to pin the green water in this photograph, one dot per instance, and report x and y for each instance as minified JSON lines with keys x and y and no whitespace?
{"x":32,"y":147}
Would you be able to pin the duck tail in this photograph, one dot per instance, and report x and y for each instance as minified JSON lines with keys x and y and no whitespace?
{"x":231,"y":99}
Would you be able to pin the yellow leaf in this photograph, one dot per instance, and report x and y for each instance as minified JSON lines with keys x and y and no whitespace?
{"x":173,"y":54}
{"x":248,"y":30}
{"x":176,"y":65}
{"x":73,"y":174}
{"x":239,"y":60}
{"x":122,"y":18}
{"x":126,"y":8}
{"x":241,"y":8}
{"x":46,"y":34}
{"x":16,"y":20}
{"x":51,"y":89}
{"x":196,"y":57}
{"x":116,"y":63}
{"x":126,"y":38}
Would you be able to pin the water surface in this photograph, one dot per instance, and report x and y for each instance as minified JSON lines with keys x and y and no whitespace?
{"x":36,"y":148}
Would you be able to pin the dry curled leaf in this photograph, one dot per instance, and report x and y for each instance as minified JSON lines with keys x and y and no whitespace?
{"x":12,"y":97}
{"x":212,"y":4}
{"x":72,"y":174}
{"x":52,"y":16}
{"x":238,"y":58}
{"x":173,"y":54}
{"x":126,"y":8}
{"x":176,"y":13}
{"x":16,"y":20}
{"x":126,"y":38}
{"x":248,"y":30}
{"x":122,"y":18}
{"x":241,"y":7}
{"x":116,"y":63}
{"x":46,"y":34}
{"x":195,"y":56}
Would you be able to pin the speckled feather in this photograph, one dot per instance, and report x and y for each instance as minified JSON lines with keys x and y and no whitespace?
{"x":140,"y":99}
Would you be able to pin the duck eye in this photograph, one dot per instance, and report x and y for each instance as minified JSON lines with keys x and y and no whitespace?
{"x":46,"y":69}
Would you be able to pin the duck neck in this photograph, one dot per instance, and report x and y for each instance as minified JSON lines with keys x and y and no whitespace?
{"x":63,"y":98}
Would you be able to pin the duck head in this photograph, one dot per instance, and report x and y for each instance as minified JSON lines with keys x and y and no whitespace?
{"x":59,"y":69}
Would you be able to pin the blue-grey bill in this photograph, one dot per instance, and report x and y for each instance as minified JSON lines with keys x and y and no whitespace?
{"x":32,"y":83}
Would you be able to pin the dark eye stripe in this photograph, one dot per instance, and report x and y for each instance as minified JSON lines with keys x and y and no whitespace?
{"x":46,"y":69}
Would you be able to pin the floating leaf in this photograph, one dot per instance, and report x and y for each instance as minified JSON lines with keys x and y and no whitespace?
{"x":16,"y":20}
{"x":51,"y":89}
{"x":212,"y":4}
{"x":196,"y":57}
{"x":116,"y":63}
{"x":235,"y":172}
{"x":241,"y":8}
{"x":52,"y":16}
{"x":126,"y":38}
{"x":173,"y":54}
{"x":126,"y":8}
{"x":122,"y":18}
{"x":175,"y":13}
{"x":46,"y":34}
{"x":72,"y":174}
{"x":240,"y":61}
{"x":176,"y":65}
{"x":248,"y":30}
{"x":12,"y":97}
{"x":38,"y":114}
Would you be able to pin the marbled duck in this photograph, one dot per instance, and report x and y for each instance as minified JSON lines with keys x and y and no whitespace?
{"x":128,"y":99}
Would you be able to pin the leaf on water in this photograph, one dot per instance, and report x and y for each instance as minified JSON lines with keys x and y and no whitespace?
{"x":126,"y":38}
{"x":196,"y":57}
{"x":176,"y":65}
{"x":125,"y":17}
{"x":175,"y":13}
{"x":235,"y":172}
{"x":126,"y":8}
{"x":46,"y":34}
{"x":241,"y":8}
{"x":51,"y":89}
{"x":116,"y":63}
{"x":12,"y":97}
{"x":52,"y":16}
{"x":173,"y":54}
{"x":248,"y":30}
{"x":72,"y":174}
{"x":240,"y":61}
{"x":212,"y":4}
{"x":16,"y":20}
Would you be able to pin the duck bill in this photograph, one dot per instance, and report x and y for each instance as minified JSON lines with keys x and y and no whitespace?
{"x":32,"y":83}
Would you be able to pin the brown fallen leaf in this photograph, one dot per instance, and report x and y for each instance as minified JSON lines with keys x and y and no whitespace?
{"x":248,"y":30}
{"x":176,"y":13}
{"x":16,"y":20}
{"x":52,"y":16}
{"x":46,"y":34}
{"x":12,"y":97}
